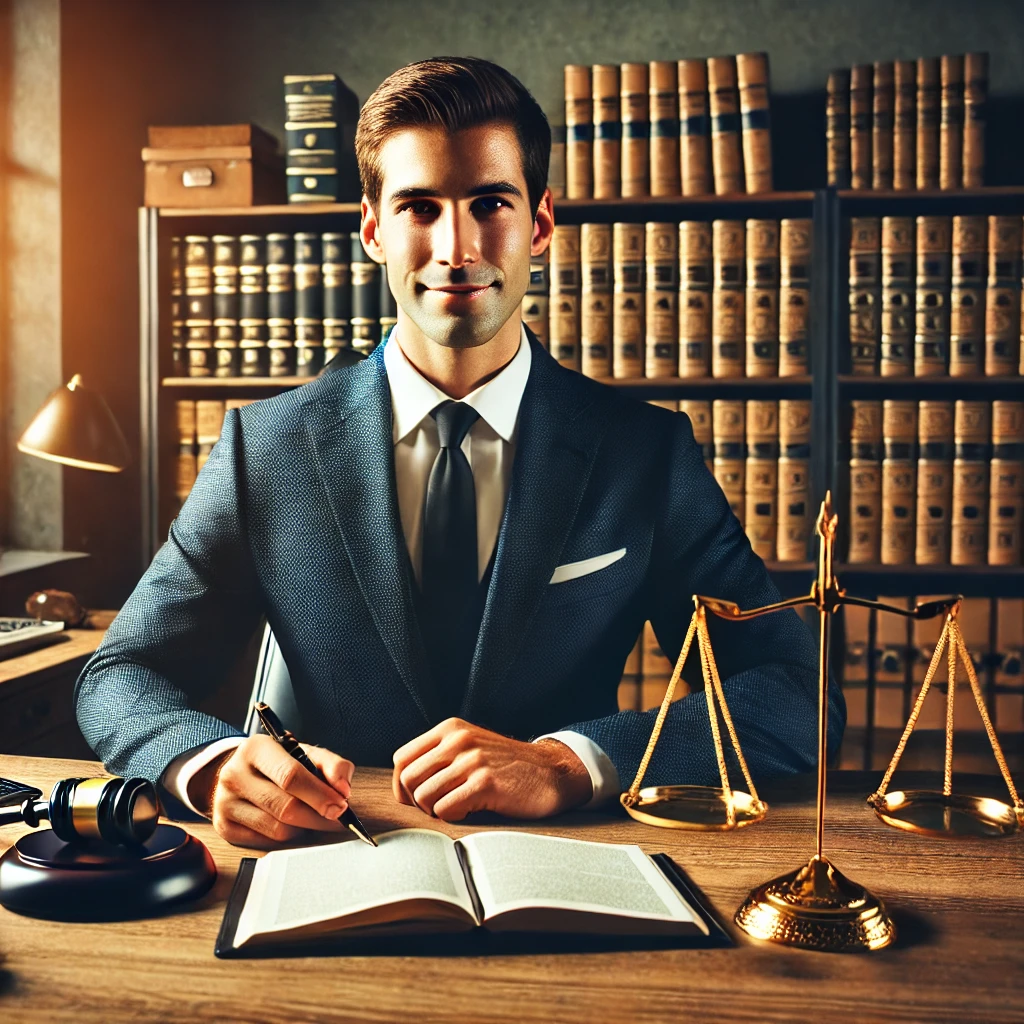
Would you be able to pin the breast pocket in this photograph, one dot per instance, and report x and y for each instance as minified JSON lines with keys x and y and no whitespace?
{"x":589,"y":578}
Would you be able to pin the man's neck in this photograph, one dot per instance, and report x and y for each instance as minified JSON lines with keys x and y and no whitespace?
{"x":458,"y":371}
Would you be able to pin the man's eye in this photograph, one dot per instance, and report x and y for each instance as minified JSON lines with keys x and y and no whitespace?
{"x":420,"y":209}
{"x":493,"y":199}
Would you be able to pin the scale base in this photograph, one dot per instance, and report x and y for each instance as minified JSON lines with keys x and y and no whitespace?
{"x":931,"y":813}
{"x":816,"y":907}
{"x":702,"y":808}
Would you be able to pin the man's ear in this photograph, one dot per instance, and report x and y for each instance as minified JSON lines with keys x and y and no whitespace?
{"x":543,"y":224}
{"x":368,"y":232}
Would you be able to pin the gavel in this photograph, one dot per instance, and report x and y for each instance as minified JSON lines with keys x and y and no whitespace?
{"x":122,"y":812}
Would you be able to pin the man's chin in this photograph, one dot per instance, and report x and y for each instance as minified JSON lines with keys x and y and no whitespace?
{"x":460,"y":330}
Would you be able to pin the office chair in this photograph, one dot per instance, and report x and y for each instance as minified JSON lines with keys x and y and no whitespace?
{"x":273,"y":684}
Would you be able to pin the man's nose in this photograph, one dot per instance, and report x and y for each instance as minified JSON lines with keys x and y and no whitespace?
{"x":456,"y":239}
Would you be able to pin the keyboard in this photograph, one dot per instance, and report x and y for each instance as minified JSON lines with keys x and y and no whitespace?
{"x":12,"y":792}
{"x":19,"y":635}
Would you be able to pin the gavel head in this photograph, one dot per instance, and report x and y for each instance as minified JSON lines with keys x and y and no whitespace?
{"x":114,"y":810}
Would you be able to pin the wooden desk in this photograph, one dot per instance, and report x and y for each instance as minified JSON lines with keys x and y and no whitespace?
{"x":958,"y":906}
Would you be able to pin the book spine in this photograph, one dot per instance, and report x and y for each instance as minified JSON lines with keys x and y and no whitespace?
{"x":762,"y":298}
{"x":728,"y":317}
{"x":865,"y":481}
{"x":1002,"y":297}
{"x":934,"y":482}
{"x":252,"y":323}
{"x":209,"y":422}
{"x":724,"y":104}
{"x":695,"y":130}
{"x":928,"y":103}
{"x":755,"y":119}
{"x":794,"y":296}
{"x":761,"y":487}
{"x":388,"y":306}
{"x":280,"y":347}
{"x":556,"y":162}
{"x":899,"y":481}
{"x":931,"y":317}
{"x":309,"y":304}
{"x":837,"y":128}
{"x":904,"y":138}
{"x":227,"y":354}
{"x":202,"y":357}
{"x":694,"y":298}
{"x":535,"y":301}
{"x":975,"y":101}
{"x":891,"y":655}
{"x":280,"y":277}
{"x":607,"y":132}
{"x":972,"y":433}
{"x":967,"y":296}
{"x":312,"y":145}
{"x":1008,"y":657}
{"x":663,"y":104}
{"x":579,"y":132}
{"x":794,"y":499}
{"x":564,"y":305}
{"x":699,"y":412}
{"x":897,"y":322}
{"x":176,"y":260}
{"x":951,"y":121}
{"x":661,"y":346}
{"x":596,"y":300}
{"x":636,"y":130}
{"x":865,"y":294}
{"x":627,"y":300}
{"x":198,"y":278}
{"x":882,"y":108}
{"x":1006,"y":484}
{"x":728,"y":418}
{"x":365,"y":297}
{"x":225,"y":277}
{"x":185,"y":463}
{"x":861,"y":76}
{"x":335,"y":270}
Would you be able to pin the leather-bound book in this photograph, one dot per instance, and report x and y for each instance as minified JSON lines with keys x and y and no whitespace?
{"x":227,"y":353}
{"x":699,"y":412}
{"x":865,"y":294}
{"x":728,"y":417}
{"x":596,"y":300}
{"x":882,"y":104}
{"x":837,"y":128}
{"x":535,"y":302}
{"x":1006,"y":484}
{"x":579,"y":132}
{"x":861,"y":77}
{"x":934,"y":482}
{"x":723,"y":98}
{"x":365,"y":297}
{"x":336,"y":275}
{"x":967,"y":296}
{"x":198,"y":278}
{"x":695,"y":131}
{"x":951,"y":121}
{"x":185,"y":462}
{"x":225,"y":306}
{"x":904,"y":135}
{"x":209,"y":422}
{"x":865,"y":482}
{"x":794,"y":501}
{"x":663,"y":105}
{"x":928,"y":102}
{"x":202,"y":356}
{"x":635,"y":116}
{"x":252,"y":284}
{"x":728,"y":322}
{"x":975,"y":100}
{"x":628,"y":300}
{"x":972,"y":434}
{"x":761,"y":487}
{"x":794,"y":296}
{"x":899,"y":481}
{"x":1002,"y":296}
{"x":280,"y":304}
{"x":564,"y":308}
{"x":897,"y":337}
{"x":695,"y":277}
{"x":388,"y":306}
{"x":755,"y":120}
{"x":1009,"y":656}
{"x":934,"y":274}
{"x":176,"y":258}
{"x":309,"y":303}
{"x":661,"y":346}
{"x":607,"y":132}
{"x":762,"y":299}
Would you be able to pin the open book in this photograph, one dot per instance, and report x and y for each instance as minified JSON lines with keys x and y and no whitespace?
{"x":418,"y":880}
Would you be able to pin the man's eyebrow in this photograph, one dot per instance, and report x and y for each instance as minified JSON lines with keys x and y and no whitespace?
{"x":505,"y":187}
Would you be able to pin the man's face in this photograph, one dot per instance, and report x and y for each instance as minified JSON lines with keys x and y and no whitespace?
{"x":455,"y":229}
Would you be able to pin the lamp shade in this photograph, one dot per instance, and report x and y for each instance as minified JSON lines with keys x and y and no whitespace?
{"x":76,"y":427}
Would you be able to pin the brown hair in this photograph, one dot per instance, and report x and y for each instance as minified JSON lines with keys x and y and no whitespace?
{"x":452,"y":93}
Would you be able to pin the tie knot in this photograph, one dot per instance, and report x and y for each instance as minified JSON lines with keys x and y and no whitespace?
{"x":453,"y":422}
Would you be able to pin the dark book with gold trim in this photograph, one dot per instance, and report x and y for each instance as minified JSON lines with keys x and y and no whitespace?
{"x":336,"y":275}
{"x":864,"y":294}
{"x":837,"y":128}
{"x":365,"y":296}
{"x":861,"y":78}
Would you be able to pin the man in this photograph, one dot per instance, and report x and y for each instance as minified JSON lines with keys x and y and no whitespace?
{"x":456,"y":541}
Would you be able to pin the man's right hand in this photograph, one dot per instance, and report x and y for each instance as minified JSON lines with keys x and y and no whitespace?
{"x":259,"y":796}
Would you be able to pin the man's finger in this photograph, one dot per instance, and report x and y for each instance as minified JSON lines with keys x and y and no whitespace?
{"x":244,"y":813}
{"x":462,"y":800}
{"x":338,"y":770}
{"x":422,"y":743}
{"x":414,"y":774}
{"x":288,"y":774}
{"x":290,"y":809}
{"x":439,"y":784}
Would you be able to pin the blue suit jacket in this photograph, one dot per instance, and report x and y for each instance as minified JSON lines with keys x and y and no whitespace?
{"x":295,"y":516}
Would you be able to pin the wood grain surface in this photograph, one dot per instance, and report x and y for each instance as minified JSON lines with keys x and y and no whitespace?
{"x":958,"y":906}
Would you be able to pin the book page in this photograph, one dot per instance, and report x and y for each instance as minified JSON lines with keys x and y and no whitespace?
{"x":519,"y":870}
{"x":292,"y":888}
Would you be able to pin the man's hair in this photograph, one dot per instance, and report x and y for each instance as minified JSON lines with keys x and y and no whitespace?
{"x":452,"y":93}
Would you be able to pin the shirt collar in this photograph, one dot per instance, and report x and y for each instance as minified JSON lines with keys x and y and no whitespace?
{"x":413,"y":396}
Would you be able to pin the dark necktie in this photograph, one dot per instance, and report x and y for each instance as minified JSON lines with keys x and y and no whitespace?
{"x":449,"y":565}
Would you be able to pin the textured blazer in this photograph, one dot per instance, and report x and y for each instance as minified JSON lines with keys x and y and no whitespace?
{"x":294,"y":516}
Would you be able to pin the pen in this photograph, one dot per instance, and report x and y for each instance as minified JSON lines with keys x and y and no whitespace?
{"x":287,"y":740}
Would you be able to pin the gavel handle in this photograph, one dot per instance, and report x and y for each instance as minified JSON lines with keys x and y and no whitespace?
{"x":29,"y":812}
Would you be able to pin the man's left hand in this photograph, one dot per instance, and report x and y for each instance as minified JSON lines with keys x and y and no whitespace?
{"x":457,"y":768}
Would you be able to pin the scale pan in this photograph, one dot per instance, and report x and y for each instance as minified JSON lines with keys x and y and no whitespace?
{"x":694,"y":807}
{"x":931,"y":813}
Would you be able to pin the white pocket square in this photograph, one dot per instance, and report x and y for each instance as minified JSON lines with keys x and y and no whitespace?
{"x":573,"y":570}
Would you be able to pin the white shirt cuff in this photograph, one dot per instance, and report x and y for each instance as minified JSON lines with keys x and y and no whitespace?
{"x":179,"y":772}
{"x":604,"y":776}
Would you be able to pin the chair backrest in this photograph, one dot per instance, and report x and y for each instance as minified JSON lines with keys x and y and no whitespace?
{"x":273,"y":685}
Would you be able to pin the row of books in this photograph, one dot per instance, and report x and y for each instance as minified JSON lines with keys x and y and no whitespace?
{"x":198,"y":424}
{"x":908,"y":124}
{"x":936,"y":482}
{"x":930,"y":296}
{"x":312,"y":138}
{"x":665,"y":128}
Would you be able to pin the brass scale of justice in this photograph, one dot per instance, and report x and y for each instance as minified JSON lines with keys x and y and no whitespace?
{"x":816,"y":906}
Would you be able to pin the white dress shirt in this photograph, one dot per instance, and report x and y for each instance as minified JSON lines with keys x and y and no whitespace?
{"x":490,"y":447}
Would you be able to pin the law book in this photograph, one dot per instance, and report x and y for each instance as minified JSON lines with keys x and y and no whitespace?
{"x":227,"y":354}
{"x":975,"y":101}
{"x":728,"y":318}
{"x":579,"y":132}
{"x":252,"y":323}
{"x":309,"y":303}
{"x":280,"y":304}
{"x":421,"y":882}
{"x":335,"y":274}
{"x":389,"y":307}
{"x":837,"y":128}
{"x":928,"y":103}
{"x":1006,"y":484}
{"x":699,"y":412}
{"x":198,"y":269}
{"x":899,"y":481}
{"x":931,"y":306}
{"x":904,"y":127}
{"x":794,"y":296}
{"x":896,"y":349}
{"x":661,"y":318}
{"x":1009,"y":655}
{"x":967,"y":296}
{"x":176,"y":267}
{"x":556,"y":162}
{"x":864,"y":294}
{"x":695,"y":130}
{"x":1002,"y":296}
{"x":312,"y":137}
{"x":663,"y":107}
{"x":794,"y":496}
{"x":202,"y":357}
{"x":951,"y":121}
{"x":934,"y":482}
{"x":724,"y":105}
{"x":312,"y":144}
{"x":882,"y":108}
{"x":185,"y":467}
{"x":755,"y":120}
{"x":695,"y":277}
{"x":865,"y":482}
{"x":365,"y":297}
{"x":861,"y":78}
{"x":209,"y":422}
{"x":607,"y":132}
{"x":761,"y":482}
{"x":972,"y":437}
{"x":728,"y":427}
{"x":564,"y":304}
{"x":225,"y":306}
{"x":628,"y":300}
{"x":761,"y":302}
{"x":596,"y":300}
{"x":634,"y":113}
